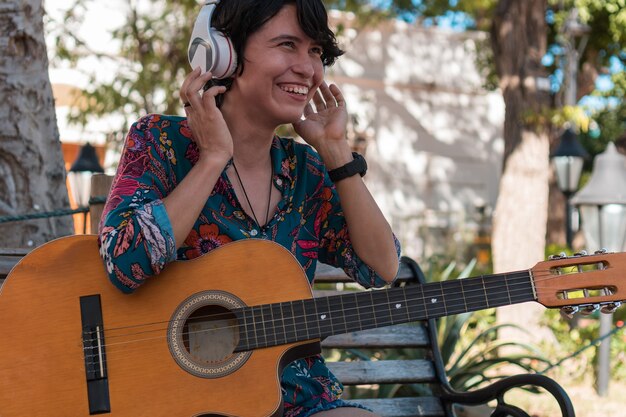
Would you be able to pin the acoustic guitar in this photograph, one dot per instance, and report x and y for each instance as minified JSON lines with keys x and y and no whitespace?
{"x":210,"y":336}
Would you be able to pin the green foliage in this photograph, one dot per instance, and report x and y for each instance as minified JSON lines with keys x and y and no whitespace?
{"x":150,"y":66}
{"x":572,"y":335}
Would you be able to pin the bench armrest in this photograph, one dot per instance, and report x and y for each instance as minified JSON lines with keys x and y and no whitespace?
{"x":497,"y":390}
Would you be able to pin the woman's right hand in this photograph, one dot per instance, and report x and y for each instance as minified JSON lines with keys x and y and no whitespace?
{"x":209,"y":129}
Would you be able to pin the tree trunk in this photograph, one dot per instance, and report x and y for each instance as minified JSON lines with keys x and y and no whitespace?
{"x":32,"y":173}
{"x":519,"y":38}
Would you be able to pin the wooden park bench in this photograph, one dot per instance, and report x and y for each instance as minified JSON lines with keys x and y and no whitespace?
{"x":349,"y":355}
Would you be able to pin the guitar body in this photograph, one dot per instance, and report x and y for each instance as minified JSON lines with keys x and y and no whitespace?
{"x":42,"y":363}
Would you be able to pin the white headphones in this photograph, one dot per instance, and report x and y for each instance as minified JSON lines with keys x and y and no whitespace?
{"x":209,"y":48}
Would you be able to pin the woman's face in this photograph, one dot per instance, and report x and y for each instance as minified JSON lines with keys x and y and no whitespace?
{"x":283,"y":69}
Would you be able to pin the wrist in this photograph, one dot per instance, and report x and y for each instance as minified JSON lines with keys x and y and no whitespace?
{"x":335,"y":155}
{"x":213,"y":161}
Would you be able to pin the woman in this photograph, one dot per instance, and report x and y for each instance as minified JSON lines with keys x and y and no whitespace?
{"x":187,"y":185}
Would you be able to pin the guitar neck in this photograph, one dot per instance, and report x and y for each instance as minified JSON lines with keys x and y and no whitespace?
{"x":293,"y":321}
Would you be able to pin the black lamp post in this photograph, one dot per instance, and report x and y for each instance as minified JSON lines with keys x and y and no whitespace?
{"x":568,"y":161}
{"x":79,"y":176}
{"x":602,"y":204}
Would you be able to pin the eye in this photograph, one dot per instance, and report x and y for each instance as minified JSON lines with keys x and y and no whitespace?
{"x":288,"y":44}
{"x":317,"y":50}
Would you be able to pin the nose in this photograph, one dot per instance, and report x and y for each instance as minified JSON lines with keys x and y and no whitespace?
{"x":305,"y":65}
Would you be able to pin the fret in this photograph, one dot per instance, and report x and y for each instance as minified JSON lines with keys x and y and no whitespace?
{"x":301,"y":326}
{"x":521,"y":288}
{"x":337,"y":315}
{"x":257,"y":324}
{"x":343,"y":313}
{"x":506,"y":285}
{"x":351,"y":312}
{"x":289,"y":321}
{"x":398,"y":306}
{"x":475,"y":294}
{"x":310,"y":317}
{"x":372,"y":305}
{"x":365,"y":311}
{"x":453,"y":297}
{"x":433,"y":300}
{"x":496,"y":291}
{"x":269,"y":327}
{"x":416,"y":302}
{"x":278,"y":320}
{"x":323,"y":316}
{"x":380,"y":302}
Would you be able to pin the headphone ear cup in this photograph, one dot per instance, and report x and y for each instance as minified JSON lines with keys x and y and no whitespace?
{"x":224,"y":56}
{"x":208,"y":48}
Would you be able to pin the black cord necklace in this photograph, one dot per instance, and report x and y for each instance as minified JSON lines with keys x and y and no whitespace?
{"x":269,"y":197}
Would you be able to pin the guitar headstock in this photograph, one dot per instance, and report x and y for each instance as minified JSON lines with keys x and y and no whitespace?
{"x":581,"y":282}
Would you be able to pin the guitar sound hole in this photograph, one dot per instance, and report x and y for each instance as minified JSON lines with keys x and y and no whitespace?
{"x":210,"y":334}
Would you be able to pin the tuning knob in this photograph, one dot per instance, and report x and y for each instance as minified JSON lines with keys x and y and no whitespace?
{"x":581,"y":253}
{"x":601,"y":251}
{"x":569,"y":311}
{"x":591,"y":308}
{"x":611,"y":307}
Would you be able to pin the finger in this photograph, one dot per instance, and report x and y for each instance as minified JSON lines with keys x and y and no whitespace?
{"x":329,"y":97}
{"x":319,"y":101}
{"x":188,"y":79}
{"x":338,"y":95}
{"x":209,"y":95}
{"x":308,"y":109}
{"x":193,"y":89}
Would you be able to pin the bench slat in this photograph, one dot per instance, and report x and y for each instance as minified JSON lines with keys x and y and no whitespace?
{"x":404,"y":407}
{"x":383,"y":372}
{"x":399,"y":336}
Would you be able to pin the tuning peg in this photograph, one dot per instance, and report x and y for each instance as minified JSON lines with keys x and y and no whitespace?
{"x":601,"y":251}
{"x":589,"y":309}
{"x":559,"y":256}
{"x":569,"y":311}
{"x":581,"y":253}
{"x":611,"y":307}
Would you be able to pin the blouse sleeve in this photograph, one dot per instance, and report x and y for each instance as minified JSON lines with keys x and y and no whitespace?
{"x":136,"y":237}
{"x":335,"y":247}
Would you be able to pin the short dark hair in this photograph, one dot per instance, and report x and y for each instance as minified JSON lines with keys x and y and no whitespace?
{"x":238,"y":19}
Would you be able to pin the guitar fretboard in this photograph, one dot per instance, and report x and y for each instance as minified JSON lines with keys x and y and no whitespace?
{"x":292,"y":321}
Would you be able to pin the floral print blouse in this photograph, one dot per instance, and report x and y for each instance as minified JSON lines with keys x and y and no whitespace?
{"x":136,"y":238}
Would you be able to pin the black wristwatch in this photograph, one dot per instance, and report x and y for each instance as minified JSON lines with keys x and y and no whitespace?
{"x":356,"y":166}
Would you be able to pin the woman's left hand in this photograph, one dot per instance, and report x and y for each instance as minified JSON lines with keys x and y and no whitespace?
{"x":326,"y":124}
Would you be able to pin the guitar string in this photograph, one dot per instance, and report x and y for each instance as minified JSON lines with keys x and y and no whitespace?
{"x":228,"y":315}
{"x":537,"y":280}
{"x":432,"y":309}
{"x":455,"y":302}
{"x":259,"y":345}
{"x":248,"y":344}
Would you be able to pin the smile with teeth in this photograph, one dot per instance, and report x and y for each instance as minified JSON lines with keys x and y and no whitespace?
{"x":302,"y":90}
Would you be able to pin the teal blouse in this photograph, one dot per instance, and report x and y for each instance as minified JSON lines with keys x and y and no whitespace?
{"x":136,"y":238}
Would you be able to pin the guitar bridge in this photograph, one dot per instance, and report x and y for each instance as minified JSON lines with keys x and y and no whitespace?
{"x":95,"y":355}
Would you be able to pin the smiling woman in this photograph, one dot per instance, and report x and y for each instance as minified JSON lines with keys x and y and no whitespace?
{"x":186,"y":186}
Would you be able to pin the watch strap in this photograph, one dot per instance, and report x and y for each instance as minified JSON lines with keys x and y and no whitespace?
{"x":356,"y":166}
